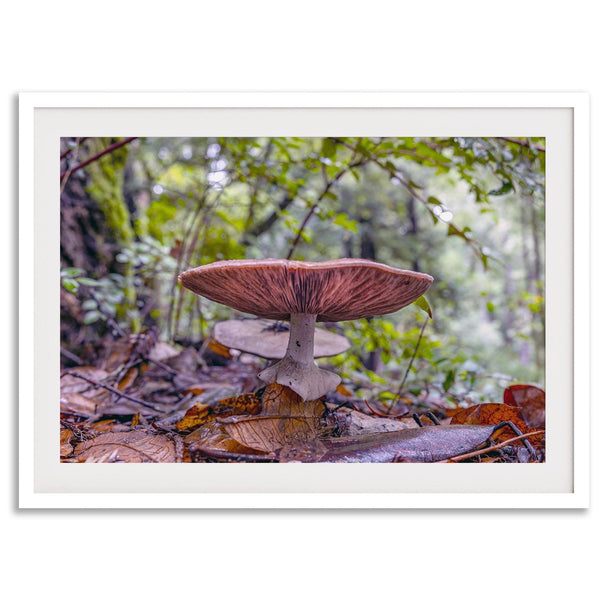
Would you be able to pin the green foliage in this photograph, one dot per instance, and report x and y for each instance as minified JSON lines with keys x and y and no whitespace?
{"x":469,"y":211}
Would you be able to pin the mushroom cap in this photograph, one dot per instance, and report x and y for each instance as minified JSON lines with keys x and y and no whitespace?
{"x":336,"y":290}
{"x":258,"y":337}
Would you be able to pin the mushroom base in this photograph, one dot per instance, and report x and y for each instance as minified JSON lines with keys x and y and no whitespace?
{"x":308,"y":381}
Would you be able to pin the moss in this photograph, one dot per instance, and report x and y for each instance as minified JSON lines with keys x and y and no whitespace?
{"x":105,"y":187}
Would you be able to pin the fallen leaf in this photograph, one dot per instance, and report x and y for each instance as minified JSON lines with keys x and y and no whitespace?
{"x":71,"y":383}
{"x":340,"y":389}
{"x":128,"y":350}
{"x":65,"y":442}
{"x":285,"y":420}
{"x":211,"y":439}
{"x":130,"y":447}
{"x":493,"y":414}
{"x":280,"y":400}
{"x":532,"y":402}
{"x":128,"y":378}
{"x":248,"y":404}
{"x":195,"y":389}
{"x":194,"y":417}
{"x":424,"y":444}
{"x":218,"y":348}
{"x":162,"y":351}
{"x":270,"y":433}
{"x":74,"y":403}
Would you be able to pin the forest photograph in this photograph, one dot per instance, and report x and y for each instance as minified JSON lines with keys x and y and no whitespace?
{"x":302,"y":299}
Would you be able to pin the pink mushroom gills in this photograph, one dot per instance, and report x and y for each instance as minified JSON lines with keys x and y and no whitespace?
{"x":304,"y":293}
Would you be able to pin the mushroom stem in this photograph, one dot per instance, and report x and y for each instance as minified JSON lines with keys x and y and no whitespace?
{"x":297,"y":369}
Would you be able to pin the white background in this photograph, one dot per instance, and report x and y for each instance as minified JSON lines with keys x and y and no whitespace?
{"x":308,"y":46}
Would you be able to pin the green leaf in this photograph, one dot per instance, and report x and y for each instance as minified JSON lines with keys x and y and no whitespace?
{"x":89,"y":305}
{"x":490,"y":306}
{"x":71,"y":272}
{"x":70,"y":285}
{"x":506,"y":187}
{"x":450,"y":377}
{"x":89,"y":282}
{"x":422,"y":303}
{"x":328,"y":148}
{"x":92,"y":317}
{"x":342,"y":220}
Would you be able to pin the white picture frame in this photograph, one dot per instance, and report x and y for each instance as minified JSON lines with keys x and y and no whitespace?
{"x":561,"y":482}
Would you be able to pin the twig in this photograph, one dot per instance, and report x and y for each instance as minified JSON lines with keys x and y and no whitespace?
{"x":72,"y":357}
{"x":110,"y":388}
{"x":491,"y":448}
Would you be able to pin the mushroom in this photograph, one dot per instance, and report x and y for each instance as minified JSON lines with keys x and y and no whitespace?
{"x":306,"y":292}
{"x":270,"y":340}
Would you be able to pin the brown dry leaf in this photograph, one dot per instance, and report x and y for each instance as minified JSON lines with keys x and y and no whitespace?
{"x":195,"y":389}
{"x":340,"y":389}
{"x":247,"y":404}
{"x":285,"y":420}
{"x":80,"y":396}
{"x":280,"y":400}
{"x":129,"y":349}
{"x":212,"y":439}
{"x":69,"y":383}
{"x":532,"y":402}
{"x":106,"y":425}
{"x":74,"y":403}
{"x":493,"y":414}
{"x":194,"y":417}
{"x":131,"y":447}
{"x":65,"y":442}
{"x":162,"y":351}
{"x":218,"y":348}
{"x":271,"y":433}
{"x":128,"y":378}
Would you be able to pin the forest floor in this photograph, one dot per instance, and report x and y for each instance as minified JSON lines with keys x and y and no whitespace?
{"x":147,"y":401}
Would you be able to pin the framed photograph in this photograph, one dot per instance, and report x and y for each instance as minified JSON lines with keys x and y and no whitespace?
{"x":304,"y":300}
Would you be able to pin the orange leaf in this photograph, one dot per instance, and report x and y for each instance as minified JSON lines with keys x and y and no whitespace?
{"x":244,"y":404}
{"x":218,"y":348}
{"x":195,"y":389}
{"x":127,"y":379}
{"x":343,"y":390}
{"x":194,"y":417}
{"x":65,"y":442}
{"x":493,"y":414}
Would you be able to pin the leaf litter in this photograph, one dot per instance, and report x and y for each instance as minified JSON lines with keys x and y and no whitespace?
{"x":149,"y":401}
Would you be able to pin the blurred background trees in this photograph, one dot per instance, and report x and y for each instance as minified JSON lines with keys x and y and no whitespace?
{"x":469,"y":211}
